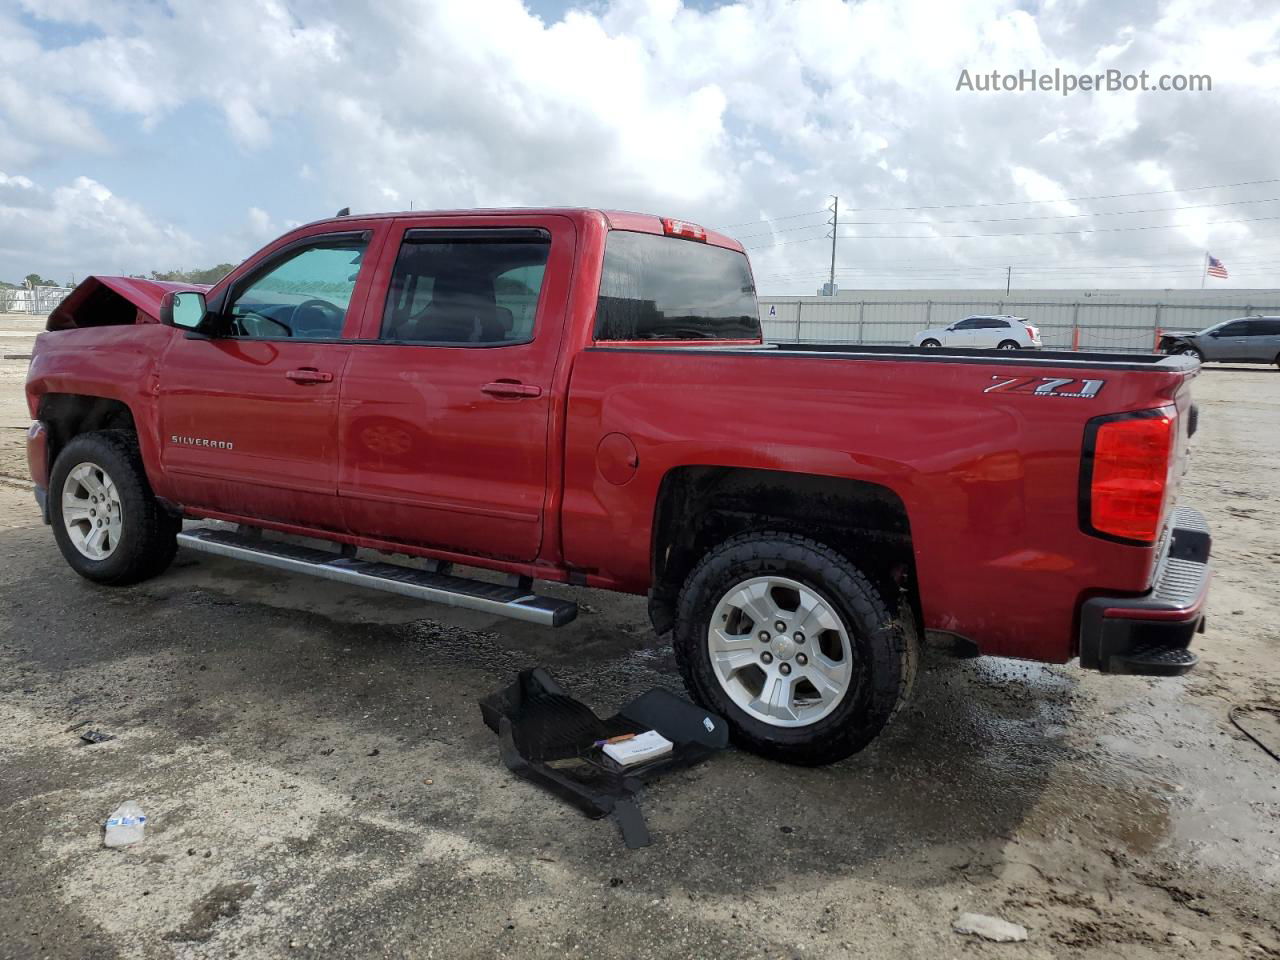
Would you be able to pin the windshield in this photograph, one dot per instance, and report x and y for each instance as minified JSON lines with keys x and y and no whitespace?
{"x":664,"y":288}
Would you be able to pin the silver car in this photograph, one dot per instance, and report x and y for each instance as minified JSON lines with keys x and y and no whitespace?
{"x":1242,"y":340}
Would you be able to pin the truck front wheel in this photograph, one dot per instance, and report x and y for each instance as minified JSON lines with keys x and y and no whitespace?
{"x":105,"y":518}
{"x":794,"y":646}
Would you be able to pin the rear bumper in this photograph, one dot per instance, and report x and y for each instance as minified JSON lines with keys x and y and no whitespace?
{"x":1151,"y":634}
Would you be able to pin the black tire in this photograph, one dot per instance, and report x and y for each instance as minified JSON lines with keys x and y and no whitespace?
{"x":885,"y":652}
{"x":1008,"y":345}
{"x":148,"y":535}
{"x":1187,"y":350}
{"x":930,"y":343}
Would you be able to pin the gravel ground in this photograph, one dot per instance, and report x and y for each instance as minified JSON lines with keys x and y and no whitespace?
{"x":319,"y":783}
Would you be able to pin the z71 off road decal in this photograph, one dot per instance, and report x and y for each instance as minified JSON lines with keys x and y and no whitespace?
{"x":1047,"y":386}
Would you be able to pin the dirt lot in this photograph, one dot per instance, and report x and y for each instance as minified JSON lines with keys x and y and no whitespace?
{"x":319,"y":782}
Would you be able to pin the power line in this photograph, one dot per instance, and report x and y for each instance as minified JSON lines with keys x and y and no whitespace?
{"x":789,"y":216}
{"x":1051,"y":216}
{"x":854,"y":273}
{"x":1055,"y":267}
{"x":1049,"y":233}
{"x":1015,"y":203}
{"x":1108,"y":196}
{"x":1168,"y":253}
{"x":992,"y":275}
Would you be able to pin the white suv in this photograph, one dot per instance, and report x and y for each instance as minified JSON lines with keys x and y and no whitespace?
{"x":998,"y":332}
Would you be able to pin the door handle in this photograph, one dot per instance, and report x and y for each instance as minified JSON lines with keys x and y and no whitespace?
{"x":511,"y":389}
{"x":310,"y":375}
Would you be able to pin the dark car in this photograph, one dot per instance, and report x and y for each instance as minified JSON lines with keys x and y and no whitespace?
{"x":1243,"y":340}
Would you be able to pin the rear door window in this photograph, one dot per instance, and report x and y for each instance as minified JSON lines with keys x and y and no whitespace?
{"x":462,"y":288}
{"x":664,"y":288}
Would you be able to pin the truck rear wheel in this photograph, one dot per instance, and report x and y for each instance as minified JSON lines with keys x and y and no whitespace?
{"x":794,"y":646}
{"x":106,"y":521}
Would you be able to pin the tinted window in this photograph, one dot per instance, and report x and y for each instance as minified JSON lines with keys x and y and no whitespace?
{"x":972,"y":323}
{"x":1267,"y":327}
{"x":304,"y":295}
{"x":479,"y":290}
{"x":995,"y":324}
{"x":1237,"y":328}
{"x":664,"y":288}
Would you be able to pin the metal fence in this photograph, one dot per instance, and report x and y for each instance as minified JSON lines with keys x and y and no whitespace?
{"x":1064,"y":325}
{"x":38,"y":301}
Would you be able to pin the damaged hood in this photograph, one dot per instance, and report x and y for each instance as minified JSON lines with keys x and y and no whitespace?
{"x":145,"y":295}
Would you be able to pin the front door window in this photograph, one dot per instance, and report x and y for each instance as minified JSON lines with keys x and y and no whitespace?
{"x":303,"y":296}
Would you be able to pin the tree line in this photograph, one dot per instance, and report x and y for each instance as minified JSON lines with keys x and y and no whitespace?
{"x":209,"y":275}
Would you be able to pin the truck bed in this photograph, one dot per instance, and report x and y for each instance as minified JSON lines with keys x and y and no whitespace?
{"x":982,"y":448}
{"x":1037,"y":358}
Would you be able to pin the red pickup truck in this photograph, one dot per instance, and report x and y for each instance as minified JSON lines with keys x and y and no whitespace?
{"x":584,"y":397}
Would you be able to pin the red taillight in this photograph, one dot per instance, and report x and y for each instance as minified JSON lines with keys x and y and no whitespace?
{"x":1129,"y":476}
{"x":683,"y":228}
{"x":1032,"y":332}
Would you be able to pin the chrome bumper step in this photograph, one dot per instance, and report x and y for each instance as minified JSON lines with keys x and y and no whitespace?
{"x":502,"y":599}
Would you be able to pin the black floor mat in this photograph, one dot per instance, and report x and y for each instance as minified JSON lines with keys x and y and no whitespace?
{"x":549,"y":738}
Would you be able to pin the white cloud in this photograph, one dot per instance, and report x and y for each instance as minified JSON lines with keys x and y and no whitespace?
{"x":754,"y":108}
{"x":82,"y":227}
{"x":260,"y":225}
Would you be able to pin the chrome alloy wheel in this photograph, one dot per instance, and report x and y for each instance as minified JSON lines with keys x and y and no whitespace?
{"x":91,"y":510}
{"x":780,"y":651}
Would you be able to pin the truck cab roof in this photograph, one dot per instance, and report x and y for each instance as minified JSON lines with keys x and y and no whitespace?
{"x":612,"y":220}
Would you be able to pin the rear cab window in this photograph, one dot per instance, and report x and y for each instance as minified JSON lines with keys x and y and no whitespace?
{"x":666,"y":288}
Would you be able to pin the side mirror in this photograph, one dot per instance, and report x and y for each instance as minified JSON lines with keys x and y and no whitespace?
{"x":185,"y":309}
{"x":1215,"y":333}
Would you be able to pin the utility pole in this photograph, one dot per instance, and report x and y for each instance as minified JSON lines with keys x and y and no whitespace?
{"x":835,"y":228}
{"x":1008,"y":279}
{"x":1204,"y":269}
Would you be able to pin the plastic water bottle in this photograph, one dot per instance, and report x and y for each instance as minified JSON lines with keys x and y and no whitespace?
{"x":125,"y":825}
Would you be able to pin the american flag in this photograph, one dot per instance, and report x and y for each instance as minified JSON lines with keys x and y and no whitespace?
{"x":1216,"y":268}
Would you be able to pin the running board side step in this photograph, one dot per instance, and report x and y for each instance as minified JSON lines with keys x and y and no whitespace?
{"x":497,"y":598}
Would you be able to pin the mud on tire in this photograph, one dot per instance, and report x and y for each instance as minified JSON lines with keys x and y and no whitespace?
{"x":884,"y":647}
{"x":147,"y":535}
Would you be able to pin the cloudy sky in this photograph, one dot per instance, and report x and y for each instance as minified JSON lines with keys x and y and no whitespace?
{"x":159,"y":134}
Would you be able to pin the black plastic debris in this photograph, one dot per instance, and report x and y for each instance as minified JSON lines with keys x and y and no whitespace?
{"x":96,"y":736}
{"x":551,"y":739}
